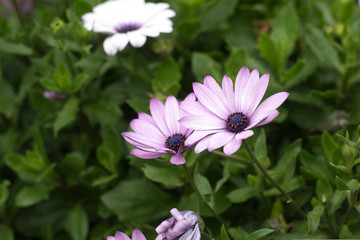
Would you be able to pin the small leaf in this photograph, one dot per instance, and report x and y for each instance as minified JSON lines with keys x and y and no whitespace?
{"x":294,"y":71}
{"x":348,"y":141}
{"x":224,"y":235}
{"x":203,"y":65}
{"x":67,"y":115}
{"x":202,"y":184}
{"x":328,"y":143}
{"x":259,"y":234}
{"x":353,"y":185}
{"x":167,"y":77}
{"x":234,"y":62}
{"x":336,"y":201}
{"x":14,"y":48}
{"x":6,"y":233}
{"x":242,"y":194}
{"x":268,"y":50}
{"x":4,"y":192}
{"x":340,"y":184}
{"x":314,"y":218}
{"x":77,"y":224}
{"x":29,"y":196}
{"x":169,"y":175}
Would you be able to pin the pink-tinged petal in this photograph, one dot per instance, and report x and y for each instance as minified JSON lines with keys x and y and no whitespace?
{"x":231,"y":147}
{"x":202,"y":145}
{"x":228,"y":90}
{"x":137,"y":235}
{"x":211,"y":84}
{"x":258,"y":92}
{"x":270,"y":104}
{"x":203,"y":122}
{"x":164,"y":226}
{"x":139,"y":139}
{"x":147,"y":129}
{"x":272,"y":115}
{"x":147,"y":117}
{"x":240,"y":84}
{"x":209,"y":99}
{"x":191,"y":97}
{"x":160,"y":237}
{"x":248,"y":93}
{"x":121,"y":236}
{"x":157,"y":110}
{"x":110,"y":238}
{"x":136,"y":38}
{"x":198,"y":135}
{"x":176,"y":214}
{"x":195,"y":108}
{"x":177,"y":159}
{"x":218,"y":140}
{"x":172,"y":114}
{"x":244,"y":135}
{"x":146,"y":155}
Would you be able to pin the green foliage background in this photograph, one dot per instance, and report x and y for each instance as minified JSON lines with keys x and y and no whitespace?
{"x":65,"y":171}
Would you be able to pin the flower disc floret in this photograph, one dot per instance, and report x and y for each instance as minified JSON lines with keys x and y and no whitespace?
{"x":127,"y":27}
{"x":175,"y":141}
{"x":237,"y":122}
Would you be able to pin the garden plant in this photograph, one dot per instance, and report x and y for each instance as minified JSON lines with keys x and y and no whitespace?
{"x":179,"y":119}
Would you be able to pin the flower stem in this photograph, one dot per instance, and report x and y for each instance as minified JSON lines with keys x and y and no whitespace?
{"x":238,"y":158}
{"x":258,"y":164}
{"x":196,"y":190}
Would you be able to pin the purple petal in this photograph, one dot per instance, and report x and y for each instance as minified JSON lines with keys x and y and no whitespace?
{"x":157,"y":110}
{"x":270,"y":117}
{"x":110,"y":238}
{"x":228,"y":90}
{"x":191,"y":97}
{"x":209,"y":99}
{"x":148,"y":118}
{"x":270,"y":104}
{"x":197,"y":136}
{"x":137,"y":235}
{"x":195,"y":108}
{"x":145,"y":154}
{"x":172,"y":114}
{"x":202,"y":144}
{"x":177,"y":159}
{"x":139,"y":140}
{"x":160,"y":237}
{"x":176,"y":214}
{"x":203,"y":122}
{"x":258,"y":92}
{"x":145,"y":128}
{"x":211,"y":84}
{"x":240,"y":84}
{"x":121,"y":236}
{"x":247,"y":94}
{"x":232,"y":146}
{"x":164,"y":226}
{"x":219,"y":139}
{"x":244,"y":135}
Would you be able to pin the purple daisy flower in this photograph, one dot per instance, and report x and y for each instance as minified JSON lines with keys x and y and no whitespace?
{"x":183,"y":225}
{"x":223,"y":117}
{"x":160,"y":133}
{"x":136,"y":235}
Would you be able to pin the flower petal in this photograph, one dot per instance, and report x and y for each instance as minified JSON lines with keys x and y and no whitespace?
{"x":121,"y":236}
{"x":244,"y":135}
{"x":203,"y":122}
{"x":172,"y":114}
{"x":247,"y":93}
{"x":147,"y":129}
{"x":197,"y":136}
{"x":136,"y":38}
{"x":202,"y":145}
{"x":231,"y":147}
{"x":115,"y":43}
{"x":272,"y":115}
{"x":240,"y":84}
{"x":209,"y":99}
{"x":140,"y":140}
{"x":157,"y":110}
{"x":258,"y":92}
{"x":228,"y":90}
{"x":110,"y":238}
{"x":211,"y":84}
{"x":177,"y":159}
{"x":137,"y":235}
{"x":145,"y":154}
{"x":270,"y":104}
{"x":218,"y":140}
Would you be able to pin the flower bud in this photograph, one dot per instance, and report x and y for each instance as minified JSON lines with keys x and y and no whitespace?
{"x":54,"y":96}
{"x":182,"y":226}
{"x":348,"y":151}
{"x":136,"y":235}
{"x":58,"y":27}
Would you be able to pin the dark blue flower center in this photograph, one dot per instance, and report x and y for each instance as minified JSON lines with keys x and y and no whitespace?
{"x":237,"y":122}
{"x":127,"y":27}
{"x":175,"y":141}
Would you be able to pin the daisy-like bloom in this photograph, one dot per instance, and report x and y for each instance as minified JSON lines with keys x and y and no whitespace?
{"x":136,"y":235}
{"x":183,"y":225}
{"x":128,"y":21}
{"x":223,"y":117}
{"x":159,"y":133}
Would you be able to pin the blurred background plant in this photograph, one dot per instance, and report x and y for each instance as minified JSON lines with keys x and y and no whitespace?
{"x":65,"y":172}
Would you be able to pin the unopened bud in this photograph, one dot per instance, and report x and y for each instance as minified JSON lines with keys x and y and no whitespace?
{"x":136,"y":235}
{"x":58,"y":27}
{"x":348,"y":152}
{"x":54,"y":96}
{"x":163,"y":47}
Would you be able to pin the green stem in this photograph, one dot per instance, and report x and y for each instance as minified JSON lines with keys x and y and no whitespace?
{"x":17,"y":10}
{"x":331,"y":226}
{"x":240,"y":159}
{"x":196,"y":190}
{"x":258,"y":164}
{"x":352,"y":201}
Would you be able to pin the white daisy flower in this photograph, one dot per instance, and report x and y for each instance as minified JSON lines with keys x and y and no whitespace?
{"x":128,"y":21}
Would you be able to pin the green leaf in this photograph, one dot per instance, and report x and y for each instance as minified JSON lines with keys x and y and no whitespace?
{"x":112,"y":142}
{"x":224,"y":235}
{"x":82,"y":7}
{"x":314,"y":218}
{"x":137,"y":200}
{"x":14,"y":48}
{"x":62,"y":77}
{"x":169,"y":175}
{"x":260,"y":148}
{"x":7,"y":96}
{"x":323,"y":49}
{"x":106,"y":158}
{"x":6,"y":233}
{"x":329,"y":93}
{"x":242,"y":194}
{"x":259,"y":234}
{"x":29,"y":196}
{"x":203,"y":65}
{"x":336,"y":201}
{"x":340,"y":184}
{"x":225,"y":176}
{"x":353,"y":185}
{"x":167,"y":77}
{"x":19,"y":164}
{"x":71,"y":166}
{"x":348,"y":141}
{"x":77,"y":224}
{"x":212,"y":17}
{"x":235,"y":61}
{"x":202,"y":184}
{"x":103,"y":112}
{"x":294,"y":71}
{"x":269,"y":51}
{"x":67,"y":115}
{"x":4,"y":192}
{"x":328,"y":144}
{"x":238,"y":233}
